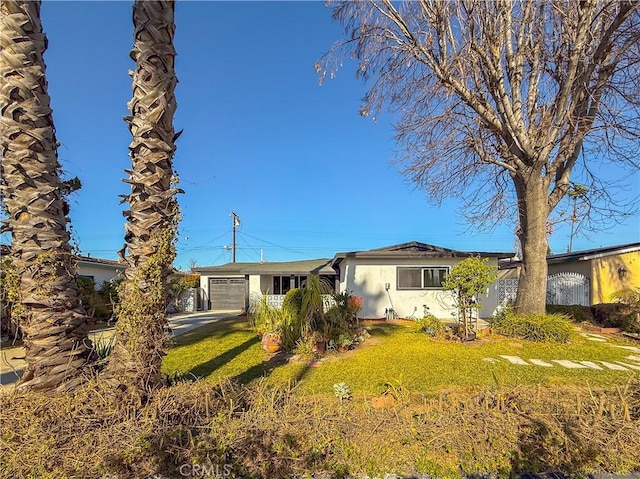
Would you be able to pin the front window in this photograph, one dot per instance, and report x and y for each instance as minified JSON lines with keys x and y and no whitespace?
{"x":421,"y":278}
{"x":282,"y":284}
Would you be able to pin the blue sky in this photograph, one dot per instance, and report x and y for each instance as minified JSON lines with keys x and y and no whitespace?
{"x":307,"y":176}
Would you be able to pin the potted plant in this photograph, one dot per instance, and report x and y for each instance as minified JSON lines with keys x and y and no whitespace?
{"x":271,"y":341}
{"x":344,"y":342}
{"x":318,"y":342}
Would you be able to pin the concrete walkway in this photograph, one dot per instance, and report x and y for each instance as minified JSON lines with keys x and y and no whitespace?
{"x":12,"y":362}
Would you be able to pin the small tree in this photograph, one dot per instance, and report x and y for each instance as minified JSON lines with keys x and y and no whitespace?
{"x":467,"y":280}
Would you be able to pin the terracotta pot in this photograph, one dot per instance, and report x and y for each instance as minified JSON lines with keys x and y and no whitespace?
{"x":271,"y":342}
{"x":271,"y":347}
{"x":319,"y":346}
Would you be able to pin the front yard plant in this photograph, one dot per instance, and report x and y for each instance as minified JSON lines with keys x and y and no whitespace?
{"x":533,"y":327}
{"x":446,"y":411}
{"x":468,"y":280}
{"x":262,"y":431}
{"x":312,"y":315}
{"x":432,"y":326}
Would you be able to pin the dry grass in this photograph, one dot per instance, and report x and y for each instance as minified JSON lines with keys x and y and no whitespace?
{"x":262,"y":431}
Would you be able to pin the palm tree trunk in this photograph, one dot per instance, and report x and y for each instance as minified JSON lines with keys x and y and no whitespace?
{"x":141,"y":331}
{"x":50,"y":310}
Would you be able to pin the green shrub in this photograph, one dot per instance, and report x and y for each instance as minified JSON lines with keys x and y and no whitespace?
{"x":344,"y":311}
{"x":304,"y":347}
{"x":630,"y":297}
{"x":432,"y":326}
{"x":576,"y":312}
{"x":616,"y":315}
{"x":533,"y":327}
{"x":292,"y":328}
{"x":102,"y":348}
{"x":263,"y":317}
{"x":293,"y":301}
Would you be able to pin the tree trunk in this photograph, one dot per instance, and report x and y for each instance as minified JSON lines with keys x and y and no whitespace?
{"x":141,"y":331}
{"x":50,"y":309}
{"x":533,"y":212}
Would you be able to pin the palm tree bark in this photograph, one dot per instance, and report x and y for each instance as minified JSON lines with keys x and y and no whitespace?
{"x":53,"y":322}
{"x":141,"y":331}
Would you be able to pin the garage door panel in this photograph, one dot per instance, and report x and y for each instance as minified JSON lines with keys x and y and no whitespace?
{"x":228,"y":293}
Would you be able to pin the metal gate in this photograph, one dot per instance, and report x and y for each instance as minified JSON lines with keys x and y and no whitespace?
{"x":568,"y":288}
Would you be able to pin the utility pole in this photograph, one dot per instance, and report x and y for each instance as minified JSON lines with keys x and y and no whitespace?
{"x":577,"y":192}
{"x":236,"y":223}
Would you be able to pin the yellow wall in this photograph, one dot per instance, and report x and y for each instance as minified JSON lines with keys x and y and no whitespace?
{"x":605,"y":279}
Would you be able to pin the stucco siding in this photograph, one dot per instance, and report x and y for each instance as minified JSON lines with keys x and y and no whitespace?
{"x":100,"y":273}
{"x":608,"y":276}
{"x":204,"y":283}
{"x":368,"y":278}
{"x":257,"y":286}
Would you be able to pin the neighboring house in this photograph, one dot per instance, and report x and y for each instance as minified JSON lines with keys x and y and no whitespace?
{"x":585,"y":277}
{"x":405,"y":277}
{"x":232,"y":285}
{"x":99,"y":270}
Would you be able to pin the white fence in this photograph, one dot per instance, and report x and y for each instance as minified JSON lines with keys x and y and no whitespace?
{"x":562,"y":288}
{"x":276,"y":300}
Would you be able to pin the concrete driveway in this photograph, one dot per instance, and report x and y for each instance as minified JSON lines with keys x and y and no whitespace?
{"x":12,"y":362}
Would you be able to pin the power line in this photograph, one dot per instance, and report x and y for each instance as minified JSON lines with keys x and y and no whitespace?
{"x":251,"y":247}
{"x":273,"y":244}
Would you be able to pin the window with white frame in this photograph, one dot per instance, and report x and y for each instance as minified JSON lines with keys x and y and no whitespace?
{"x":416,"y":277}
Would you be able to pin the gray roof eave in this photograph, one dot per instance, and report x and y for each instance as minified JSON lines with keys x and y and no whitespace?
{"x":419,"y":254}
{"x":321,"y":266}
{"x":594,"y":253}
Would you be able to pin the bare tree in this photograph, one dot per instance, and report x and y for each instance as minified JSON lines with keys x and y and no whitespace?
{"x":497,"y":101}
{"x":141,"y":331}
{"x":52,"y":319}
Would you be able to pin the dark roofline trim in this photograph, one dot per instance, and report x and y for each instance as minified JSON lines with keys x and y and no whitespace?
{"x":99,"y":261}
{"x":422,"y":254}
{"x":584,"y":255}
{"x":6,"y":250}
{"x":294,"y":267}
{"x":593,"y":253}
{"x":429,"y":251}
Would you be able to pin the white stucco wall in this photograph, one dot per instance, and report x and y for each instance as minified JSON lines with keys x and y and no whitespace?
{"x":256,"y":287}
{"x":99,"y":272}
{"x":368,"y":277}
{"x":204,"y":283}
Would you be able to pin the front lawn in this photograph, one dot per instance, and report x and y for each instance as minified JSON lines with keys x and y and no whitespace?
{"x":450,"y":410}
{"x":395,"y":356}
